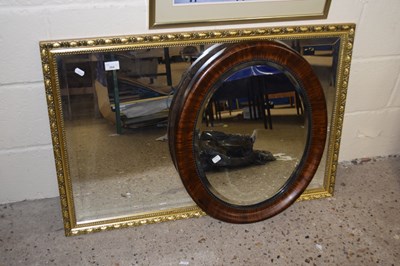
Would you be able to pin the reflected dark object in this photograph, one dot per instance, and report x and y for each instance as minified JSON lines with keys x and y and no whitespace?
{"x":217,"y":149}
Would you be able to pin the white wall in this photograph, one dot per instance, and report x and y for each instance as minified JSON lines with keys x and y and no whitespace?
{"x":372,"y":120}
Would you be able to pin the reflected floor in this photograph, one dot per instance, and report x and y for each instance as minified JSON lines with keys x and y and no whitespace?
{"x":119,"y":175}
{"x":256,"y":183}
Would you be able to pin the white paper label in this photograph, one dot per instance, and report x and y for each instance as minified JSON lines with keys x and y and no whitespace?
{"x":79,"y":72}
{"x":216,"y":159}
{"x":112,"y":65}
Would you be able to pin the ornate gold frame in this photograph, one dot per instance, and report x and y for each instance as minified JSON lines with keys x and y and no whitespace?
{"x":50,"y":49}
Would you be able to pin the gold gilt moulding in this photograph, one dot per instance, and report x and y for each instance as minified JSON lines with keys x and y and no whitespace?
{"x":74,"y":101}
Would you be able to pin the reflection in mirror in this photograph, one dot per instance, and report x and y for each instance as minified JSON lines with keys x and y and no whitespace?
{"x":121,"y":168}
{"x":252,"y":134}
{"x":108,"y":127}
{"x":323,"y":55}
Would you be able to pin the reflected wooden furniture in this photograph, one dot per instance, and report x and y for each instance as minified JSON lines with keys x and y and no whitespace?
{"x":256,"y":92}
{"x":324,"y":54}
{"x":77,"y":75}
{"x":294,"y":100}
{"x":144,"y":63}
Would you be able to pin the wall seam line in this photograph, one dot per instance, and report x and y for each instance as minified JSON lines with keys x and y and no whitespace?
{"x":15,"y":150}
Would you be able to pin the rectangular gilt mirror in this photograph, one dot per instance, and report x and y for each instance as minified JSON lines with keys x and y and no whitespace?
{"x":108,"y":102}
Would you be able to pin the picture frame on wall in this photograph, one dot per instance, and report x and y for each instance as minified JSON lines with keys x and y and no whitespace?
{"x":189,"y":13}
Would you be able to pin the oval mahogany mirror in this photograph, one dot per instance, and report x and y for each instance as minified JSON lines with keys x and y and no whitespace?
{"x":247,"y":129}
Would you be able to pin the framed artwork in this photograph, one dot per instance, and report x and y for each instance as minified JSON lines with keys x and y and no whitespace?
{"x":188,"y":13}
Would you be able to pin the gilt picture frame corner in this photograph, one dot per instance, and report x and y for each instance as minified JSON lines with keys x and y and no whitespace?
{"x":189,"y":13}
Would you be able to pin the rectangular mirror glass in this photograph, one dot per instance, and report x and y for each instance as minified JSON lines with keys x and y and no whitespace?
{"x":108,"y":101}
{"x":117,"y":169}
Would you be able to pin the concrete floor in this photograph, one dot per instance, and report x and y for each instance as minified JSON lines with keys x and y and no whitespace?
{"x":358,"y":226}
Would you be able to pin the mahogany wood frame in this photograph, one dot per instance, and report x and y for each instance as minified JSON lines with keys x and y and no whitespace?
{"x":196,"y":85}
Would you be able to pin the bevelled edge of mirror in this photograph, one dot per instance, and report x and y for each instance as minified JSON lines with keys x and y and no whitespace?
{"x":50,"y":49}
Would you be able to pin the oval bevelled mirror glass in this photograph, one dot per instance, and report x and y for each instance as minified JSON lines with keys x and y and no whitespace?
{"x":242,"y":155}
{"x":251,"y":133}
